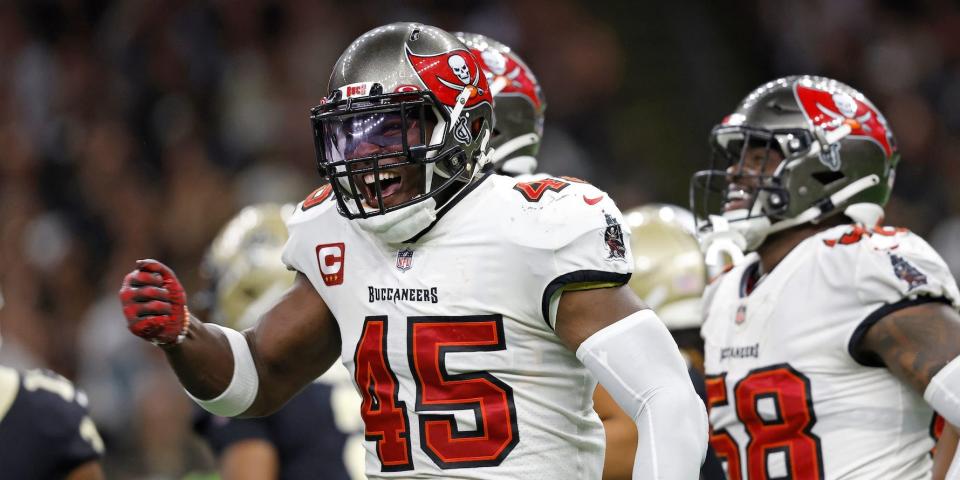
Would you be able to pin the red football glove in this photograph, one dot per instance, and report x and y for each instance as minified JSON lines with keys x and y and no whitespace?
{"x":154,"y":303}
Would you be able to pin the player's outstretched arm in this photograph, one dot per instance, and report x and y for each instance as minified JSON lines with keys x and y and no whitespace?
{"x":227,"y":372}
{"x":631,"y":353}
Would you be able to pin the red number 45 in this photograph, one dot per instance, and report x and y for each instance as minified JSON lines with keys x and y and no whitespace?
{"x":429,"y":340}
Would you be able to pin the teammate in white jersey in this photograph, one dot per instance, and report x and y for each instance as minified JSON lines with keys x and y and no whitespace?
{"x":830,"y":346}
{"x":475,"y":313}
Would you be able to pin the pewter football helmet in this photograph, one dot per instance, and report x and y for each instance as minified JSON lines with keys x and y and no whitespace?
{"x":838,"y":152}
{"x":390,"y":83}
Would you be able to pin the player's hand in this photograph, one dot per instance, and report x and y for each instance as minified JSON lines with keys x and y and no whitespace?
{"x":154,"y":303}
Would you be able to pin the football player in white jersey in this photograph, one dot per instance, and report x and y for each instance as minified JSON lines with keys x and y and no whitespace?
{"x":832,"y":343}
{"x":475,"y":313}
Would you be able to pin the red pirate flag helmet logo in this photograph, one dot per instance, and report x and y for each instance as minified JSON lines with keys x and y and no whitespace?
{"x":516,"y":78}
{"x":830,"y":110}
{"x":449,"y":73}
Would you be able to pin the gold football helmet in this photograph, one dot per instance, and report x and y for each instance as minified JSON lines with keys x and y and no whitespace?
{"x":670,"y":274}
{"x":243,"y":265}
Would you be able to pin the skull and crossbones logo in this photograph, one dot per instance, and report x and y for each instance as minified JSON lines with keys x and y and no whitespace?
{"x":459,"y":66}
{"x":496,"y":62}
{"x":848,"y":111}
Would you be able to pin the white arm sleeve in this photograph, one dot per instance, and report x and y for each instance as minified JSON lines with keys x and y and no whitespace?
{"x":242,"y":391}
{"x":638,"y":362}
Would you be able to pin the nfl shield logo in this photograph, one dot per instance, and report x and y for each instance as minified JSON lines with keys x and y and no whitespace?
{"x":404,"y":259}
{"x":741,"y":315}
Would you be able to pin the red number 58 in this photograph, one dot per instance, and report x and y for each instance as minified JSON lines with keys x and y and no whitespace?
{"x":784,"y":429}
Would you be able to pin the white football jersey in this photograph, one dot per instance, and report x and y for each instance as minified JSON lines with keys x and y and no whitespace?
{"x":449,"y":337}
{"x":789,"y":396}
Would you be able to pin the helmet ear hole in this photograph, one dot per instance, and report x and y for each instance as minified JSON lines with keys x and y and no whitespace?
{"x":476,"y":126}
{"x":827,"y":177}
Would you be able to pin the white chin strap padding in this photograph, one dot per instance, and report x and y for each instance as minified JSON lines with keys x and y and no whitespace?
{"x":522,"y":165}
{"x":514,"y":144}
{"x":722,"y":244}
{"x":869,"y":214}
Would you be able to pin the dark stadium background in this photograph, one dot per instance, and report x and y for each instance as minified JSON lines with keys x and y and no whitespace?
{"x":135,"y":129}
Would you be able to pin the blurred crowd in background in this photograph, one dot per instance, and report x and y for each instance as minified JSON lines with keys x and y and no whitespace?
{"x":135,"y":129}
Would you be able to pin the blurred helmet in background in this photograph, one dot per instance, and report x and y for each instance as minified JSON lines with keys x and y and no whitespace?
{"x":518,"y":105}
{"x":669,"y":274}
{"x":244,"y":268}
{"x":838,"y":155}
{"x":393,"y":80}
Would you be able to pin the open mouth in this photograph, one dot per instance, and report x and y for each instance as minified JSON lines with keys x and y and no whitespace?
{"x":390,"y":183}
{"x":737,"y":198}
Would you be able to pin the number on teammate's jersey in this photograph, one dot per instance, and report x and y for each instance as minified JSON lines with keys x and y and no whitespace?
{"x":776,"y":409}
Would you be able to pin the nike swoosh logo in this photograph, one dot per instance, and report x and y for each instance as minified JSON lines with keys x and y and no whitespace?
{"x":592,"y":201}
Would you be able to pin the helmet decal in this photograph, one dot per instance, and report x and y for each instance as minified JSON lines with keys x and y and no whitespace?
{"x":831,"y":110}
{"x":519,"y":79}
{"x":448,"y":74}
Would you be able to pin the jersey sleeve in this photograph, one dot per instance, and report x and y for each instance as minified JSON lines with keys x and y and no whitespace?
{"x":296,"y":253}
{"x":589,"y":246}
{"x":896,"y":270}
{"x":221,"y":432}
{"x":57,"y":412}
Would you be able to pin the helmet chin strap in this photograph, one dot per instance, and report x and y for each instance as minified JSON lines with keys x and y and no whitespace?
{"x":441,"y":130}
{"x":521,"y":165}
{"x":732,"y":234}
{"x":815,"y":213}
{"x":483,"y":159}
{"x":514,"y":144}
{"x":722,"y":244}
